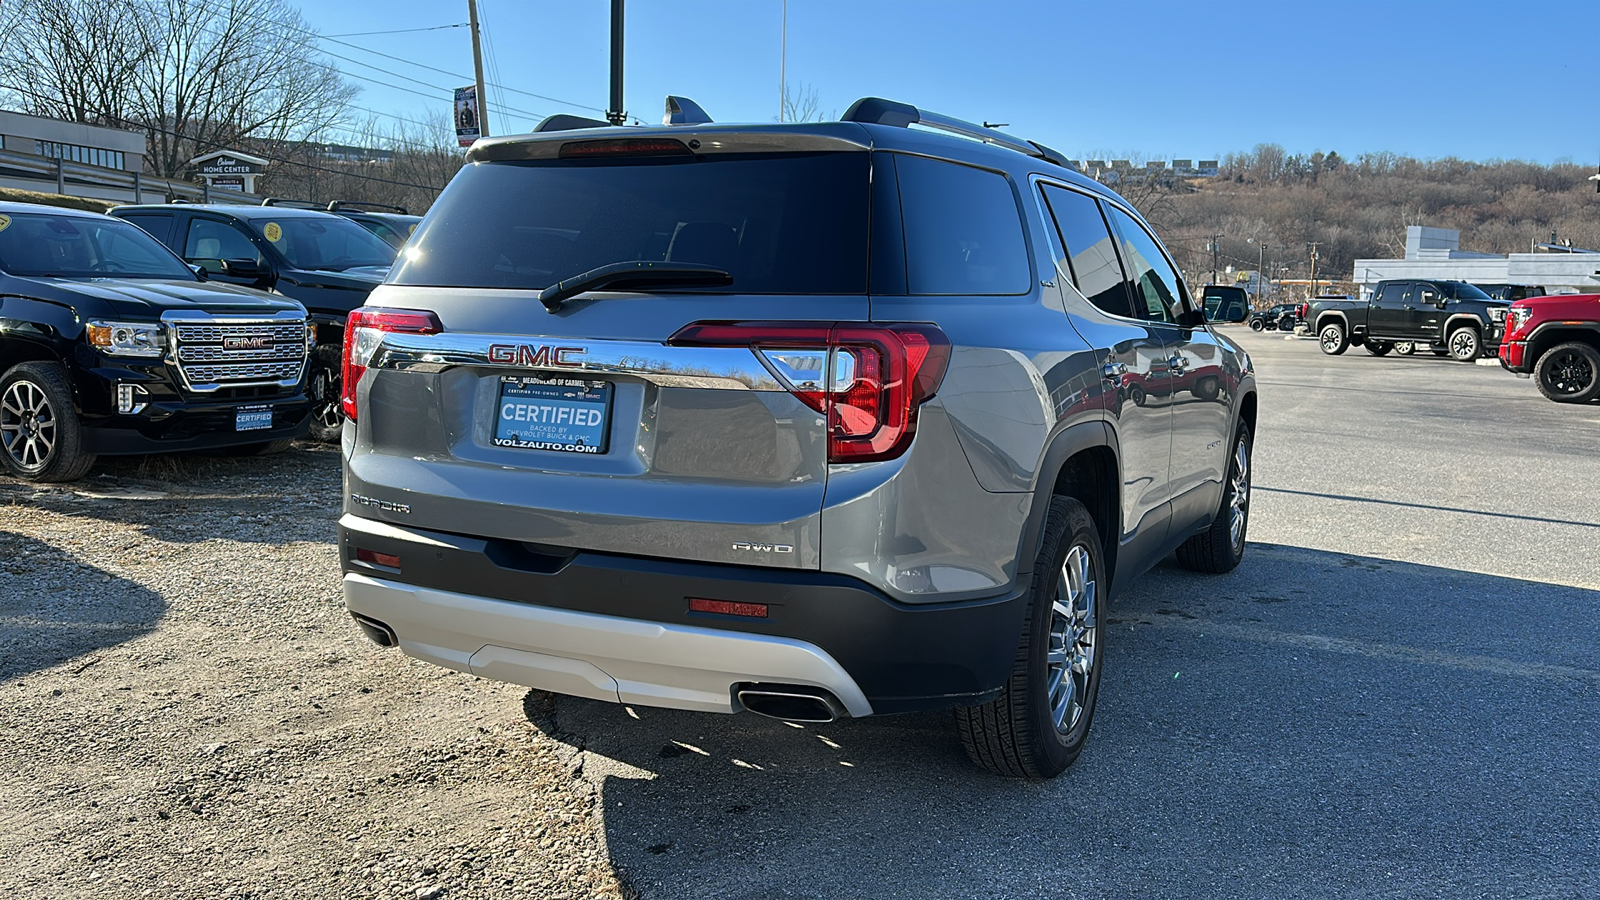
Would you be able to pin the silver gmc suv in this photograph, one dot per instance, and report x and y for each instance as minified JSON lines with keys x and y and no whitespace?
{"x":810,"y":420}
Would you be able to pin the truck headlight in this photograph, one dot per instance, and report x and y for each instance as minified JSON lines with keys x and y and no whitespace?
{"x":126,"y":338}
{"x":1519,"y":317}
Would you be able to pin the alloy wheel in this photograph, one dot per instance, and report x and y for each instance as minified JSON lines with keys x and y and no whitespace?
{"x":1074,"y":639}
{"x":1463,"y":344}
{"x":1569,"y":373}
{"x":325,"y":407}
{"x":27,"y":425}
{"x":1239,"y":495}
{"x":1332,"y":336}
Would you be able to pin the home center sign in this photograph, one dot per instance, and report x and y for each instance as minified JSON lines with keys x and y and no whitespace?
{"x":229,"y":170}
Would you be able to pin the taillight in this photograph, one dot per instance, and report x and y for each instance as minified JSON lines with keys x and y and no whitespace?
{"x":867,"y":380}
{"x":363,"y":334}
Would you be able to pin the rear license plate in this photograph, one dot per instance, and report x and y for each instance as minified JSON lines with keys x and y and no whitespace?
{"x":252,"y":418}
{"x":565,"y":415}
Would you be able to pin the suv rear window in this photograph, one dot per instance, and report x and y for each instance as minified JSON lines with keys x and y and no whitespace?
{"x":780,"y":223}
{"x":963,"y":230}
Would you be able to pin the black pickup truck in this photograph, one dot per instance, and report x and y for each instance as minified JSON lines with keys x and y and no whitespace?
{"x":1454,"y":317}
{"x":110,"y":344}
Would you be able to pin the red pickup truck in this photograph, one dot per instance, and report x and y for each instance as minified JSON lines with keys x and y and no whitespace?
{"x":1556,"y":340}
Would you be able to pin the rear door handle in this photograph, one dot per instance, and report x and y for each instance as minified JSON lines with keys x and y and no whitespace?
{"x":1113,"y":371}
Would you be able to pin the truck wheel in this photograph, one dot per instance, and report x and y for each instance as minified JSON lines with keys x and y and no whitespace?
{"x":1379,"y":348}
{"x":1463,"y":344}
{"x":1207,"y":388}
{"x":1405,"y":348}
{"x":1257,"y":325}
{"x":327,"y":420}
{"x":1220,"y":547}
{"x":1569,"y":373}
{"x":40,"y":437}
{"x":1333,"y":340}
{"x":1040,"y":721}
{"x":1136,"y":394}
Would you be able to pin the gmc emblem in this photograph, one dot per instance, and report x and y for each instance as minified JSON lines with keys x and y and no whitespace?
{"x":237,"y":342}
{"x":535,"y":357}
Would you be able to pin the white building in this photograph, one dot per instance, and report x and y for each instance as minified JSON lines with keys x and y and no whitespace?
{"x":91,"y":145}
{"x":1436,"y":253}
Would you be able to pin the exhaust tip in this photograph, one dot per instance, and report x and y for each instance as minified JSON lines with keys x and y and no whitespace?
{"x":791,"y":704}
{"x":376,"y":631}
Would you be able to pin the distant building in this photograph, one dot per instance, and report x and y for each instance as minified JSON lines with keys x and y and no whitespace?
{"x":91,"y":145}
{"x":1436,"y":253}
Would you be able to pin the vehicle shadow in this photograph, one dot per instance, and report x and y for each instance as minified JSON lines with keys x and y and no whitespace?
{"x":190,"y":498}
{"x":1313,"y":724}
{"x":54,"y":608}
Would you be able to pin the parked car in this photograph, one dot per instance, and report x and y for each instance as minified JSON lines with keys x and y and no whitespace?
{"x":667,"y":453}
{"x":1556,"y":341}
{"x":1452,"y":316}
{"x":1225,"y":303}
{"x":1512,"y":292}
{"x":326,"y":262}
{"x":1270,"y":318}
{"x":392,"y":223}
{"x":110,"y":344}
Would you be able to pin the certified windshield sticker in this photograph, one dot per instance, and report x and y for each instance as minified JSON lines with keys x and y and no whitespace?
{"x":412,"y":229}
{"x":5,"y":222}
{"x":273,"y":232}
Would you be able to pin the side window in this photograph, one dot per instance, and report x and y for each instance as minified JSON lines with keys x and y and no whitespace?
{"x":1157,"y":291}
{"x":1389,"y":294}
{"x":1091,"y":253}
{"x":963,"y":230}
{"x":209,"y":242}
{"x":159,"y":226}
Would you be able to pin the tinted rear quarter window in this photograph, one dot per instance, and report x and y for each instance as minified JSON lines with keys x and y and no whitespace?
{"x":963,"y":229}
{"x":790,"y":223}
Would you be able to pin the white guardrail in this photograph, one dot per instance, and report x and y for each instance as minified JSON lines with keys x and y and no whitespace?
{"x":58,"y":176}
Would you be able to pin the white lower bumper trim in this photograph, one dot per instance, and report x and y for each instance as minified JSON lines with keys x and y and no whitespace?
{"x":595,"y":656}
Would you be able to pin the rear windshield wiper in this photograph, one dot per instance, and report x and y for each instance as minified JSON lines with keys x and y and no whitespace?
{"x":634,"y":274}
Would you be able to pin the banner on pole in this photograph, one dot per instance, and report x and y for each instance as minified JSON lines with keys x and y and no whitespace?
{"x":467,"y":129}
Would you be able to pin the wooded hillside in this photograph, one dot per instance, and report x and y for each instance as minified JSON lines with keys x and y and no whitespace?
{"x":1360,"y":208}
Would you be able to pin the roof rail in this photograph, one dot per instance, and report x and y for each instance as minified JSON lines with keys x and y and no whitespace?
{"x":878,"y":111}
{"x":292,"y":204}
{"x":564,"y":122}
{"x":337,"y":205}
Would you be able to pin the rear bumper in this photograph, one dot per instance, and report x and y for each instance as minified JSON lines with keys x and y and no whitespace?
{"x":619,"y":628}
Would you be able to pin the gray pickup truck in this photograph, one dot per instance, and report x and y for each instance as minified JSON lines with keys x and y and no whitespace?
{"x":1453,"y":317}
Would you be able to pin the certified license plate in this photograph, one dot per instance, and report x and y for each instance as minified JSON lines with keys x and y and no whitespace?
{"x":564,"y":415}
{"x":252,"y":418}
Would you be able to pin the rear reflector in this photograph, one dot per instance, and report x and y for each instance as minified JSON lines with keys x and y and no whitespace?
{"x":625,"y":147}
{"x":378,"y":559}
{"x":728,"y":608}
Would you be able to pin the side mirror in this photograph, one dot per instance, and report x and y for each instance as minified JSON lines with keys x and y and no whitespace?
{"x":244,"y":268}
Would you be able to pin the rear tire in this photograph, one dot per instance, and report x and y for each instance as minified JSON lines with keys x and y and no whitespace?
{"x":323,"y":386}
{"x":1404,"y":348}
{"x":1569,"y":373}
{"x":1040,"y":721}
{"x":1332,"y":339}
{"x":41,"y":438}
{"x":1379,"y":348}
{"x":1220,"y":547}
{"x":1463,"y":345}
{"x":1257,"y":325}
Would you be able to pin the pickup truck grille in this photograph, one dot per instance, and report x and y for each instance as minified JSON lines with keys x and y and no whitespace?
{"x":220,"y":353}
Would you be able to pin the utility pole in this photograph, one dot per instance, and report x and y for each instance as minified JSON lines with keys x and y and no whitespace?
{"x":1313,"y":245}
{"x":1214,"y":246}
{"x":477,"y":69}
{"x":615,"y":114}
{"x":783,"y":62}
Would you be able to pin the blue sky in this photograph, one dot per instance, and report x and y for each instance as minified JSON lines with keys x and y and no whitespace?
{"x":1471,"y":79}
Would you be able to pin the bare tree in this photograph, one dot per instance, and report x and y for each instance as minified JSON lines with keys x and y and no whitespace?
{"x":800,"y":104}
{"x":195,"y":75}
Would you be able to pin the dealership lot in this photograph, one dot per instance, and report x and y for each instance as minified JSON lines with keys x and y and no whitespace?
{"x":1394,"y":694}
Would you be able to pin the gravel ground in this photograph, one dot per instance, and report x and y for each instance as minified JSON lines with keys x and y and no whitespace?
{"x":187,"y":711}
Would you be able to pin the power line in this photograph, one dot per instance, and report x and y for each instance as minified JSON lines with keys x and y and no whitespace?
{"x":396,"y":31}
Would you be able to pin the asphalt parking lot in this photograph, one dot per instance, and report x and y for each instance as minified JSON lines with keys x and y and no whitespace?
{"x":1397,"y":694}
